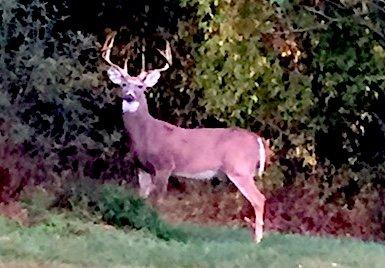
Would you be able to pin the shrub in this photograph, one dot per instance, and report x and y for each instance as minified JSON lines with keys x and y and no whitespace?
{"x":344,"y":48}
{"x":308,"y":75}
{"x":320,"y":208}
{"x":116,"y":205}
{"x":55,"y":106}
{"x":122,"y":207}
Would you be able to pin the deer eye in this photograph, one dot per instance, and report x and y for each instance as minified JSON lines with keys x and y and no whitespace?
{"x":124,"y":84}
{"x":140,"y":87}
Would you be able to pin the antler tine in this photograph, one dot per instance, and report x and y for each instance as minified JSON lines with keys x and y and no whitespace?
{"x":106,"y":53}
{"x":143,"y":58}
{"x":125,"y":51}
{"x":167,"y":55}
{"x":107,"y":46}
{"x":126,"y":64}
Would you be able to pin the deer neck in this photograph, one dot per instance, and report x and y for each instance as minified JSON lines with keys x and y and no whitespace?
{"x":139,"y":122}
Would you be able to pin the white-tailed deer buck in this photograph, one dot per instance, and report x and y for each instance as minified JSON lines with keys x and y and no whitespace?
{"x":165,"y":150}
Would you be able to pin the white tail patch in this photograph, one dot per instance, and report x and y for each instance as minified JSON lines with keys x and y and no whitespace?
{"x":262,"y":157}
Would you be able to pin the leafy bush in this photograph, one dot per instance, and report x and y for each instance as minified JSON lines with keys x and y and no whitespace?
{"x":55,"y":108}
{"x":345,"y":51}
{"x":245,"y":84}
{"x":308,"y":75}
{"x":122,"y":207}
{"x":317,"y":208}
{"x":116,"y":205}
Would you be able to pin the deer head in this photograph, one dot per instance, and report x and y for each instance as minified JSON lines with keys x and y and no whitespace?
{"x":133,"y":87}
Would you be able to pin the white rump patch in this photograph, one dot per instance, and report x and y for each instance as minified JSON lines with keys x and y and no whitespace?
{"x":130,"y":106}
{"x":204,"y":175}
{"x":262,"y":157}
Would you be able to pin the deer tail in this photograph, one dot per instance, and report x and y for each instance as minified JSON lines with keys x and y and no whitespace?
{"x":262,"y":156}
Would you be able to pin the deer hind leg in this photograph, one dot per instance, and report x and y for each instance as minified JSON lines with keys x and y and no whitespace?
{"x":146,"y":185}
{"x":247,"y":187}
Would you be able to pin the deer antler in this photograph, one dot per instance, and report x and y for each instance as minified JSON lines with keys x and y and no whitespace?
{"x":106,"y":52}
{"x":167,"y":55}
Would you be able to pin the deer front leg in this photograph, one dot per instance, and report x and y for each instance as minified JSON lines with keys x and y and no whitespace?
{"x":247,"y":187}
{"x":146,"y":185}
{"x":161,"y":182}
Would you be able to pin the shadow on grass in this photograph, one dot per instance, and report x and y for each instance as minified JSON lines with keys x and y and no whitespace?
{"x":197,"y":233}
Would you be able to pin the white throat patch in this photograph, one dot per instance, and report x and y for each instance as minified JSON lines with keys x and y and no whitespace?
{"x":130,"y":106}
{"x":262,"y":157}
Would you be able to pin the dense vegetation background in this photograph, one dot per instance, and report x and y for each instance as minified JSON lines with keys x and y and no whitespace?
{"x":308,"y":74}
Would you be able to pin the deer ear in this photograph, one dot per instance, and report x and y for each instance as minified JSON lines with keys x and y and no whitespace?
{"x":115,"y":76}
{"x":152,"y":78}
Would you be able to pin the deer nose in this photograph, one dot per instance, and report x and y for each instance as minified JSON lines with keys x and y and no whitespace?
{"x":129,"y":98}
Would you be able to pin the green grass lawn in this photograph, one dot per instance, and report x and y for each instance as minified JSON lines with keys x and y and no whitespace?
{"x":65,"y":240}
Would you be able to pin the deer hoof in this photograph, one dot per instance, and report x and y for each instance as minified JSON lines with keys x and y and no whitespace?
{"x":258,"y":234}
{"x":258,"y":239}
{"x":257,"y":230}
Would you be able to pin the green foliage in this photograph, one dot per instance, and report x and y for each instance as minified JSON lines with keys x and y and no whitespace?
{"x":310,"y":76}
{"x":116,"y":205}
{"x":243,"y":84}
{"x":122,"y":207}
{"x":55,"y":108}
{"x":351,"y":74}
{"x":345,"y":45}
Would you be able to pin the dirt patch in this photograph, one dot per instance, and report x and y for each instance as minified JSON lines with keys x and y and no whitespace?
{"x":14,"y":211}
{"x":292,"y":209}
{"x":201,"y":202}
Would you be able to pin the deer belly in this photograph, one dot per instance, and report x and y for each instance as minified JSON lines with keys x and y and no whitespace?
{"x":203,"y":175}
